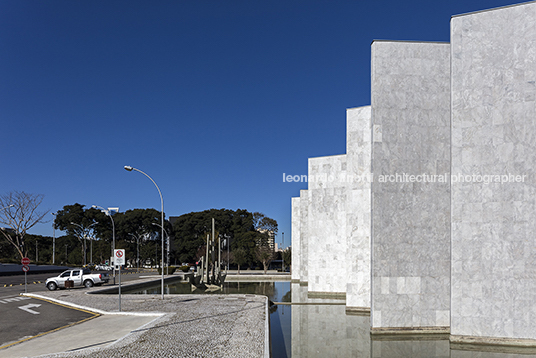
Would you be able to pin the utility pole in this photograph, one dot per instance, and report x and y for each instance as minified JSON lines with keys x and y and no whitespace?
{"x":208,"y":273}
{"x":213,"y":258}
{"x":54,"y":241}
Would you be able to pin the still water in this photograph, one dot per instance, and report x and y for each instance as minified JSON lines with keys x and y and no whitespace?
{"x":320,"y":328}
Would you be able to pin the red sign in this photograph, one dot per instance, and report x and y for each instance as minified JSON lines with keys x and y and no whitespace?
{"x":25,"y":268}
{"x":25,"y":261}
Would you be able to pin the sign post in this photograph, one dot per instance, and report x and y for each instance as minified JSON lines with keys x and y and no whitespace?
{"x":25,"y":262}
{"x":119,"y":260}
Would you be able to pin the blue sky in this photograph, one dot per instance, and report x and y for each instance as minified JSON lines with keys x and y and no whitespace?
{"x":215,"y":100}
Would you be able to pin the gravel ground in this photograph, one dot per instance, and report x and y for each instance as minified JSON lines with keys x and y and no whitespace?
{"x":191,"y":325}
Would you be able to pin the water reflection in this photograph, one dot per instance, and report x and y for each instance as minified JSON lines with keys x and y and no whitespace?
{"x":316,"y":327}
{"x":326,"y":330}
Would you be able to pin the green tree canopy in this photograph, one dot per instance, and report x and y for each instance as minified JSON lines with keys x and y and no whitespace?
{"x":236,"y":227}
{"x":239,"y":257}
{"x":138,"y":223}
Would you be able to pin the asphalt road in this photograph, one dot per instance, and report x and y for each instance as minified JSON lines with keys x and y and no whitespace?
{"x":23,"y":317}
{"x":36,"y":282}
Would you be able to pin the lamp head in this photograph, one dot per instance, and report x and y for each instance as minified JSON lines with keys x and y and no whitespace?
{"x":128,"y":167}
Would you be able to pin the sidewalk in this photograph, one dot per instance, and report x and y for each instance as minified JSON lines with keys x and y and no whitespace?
{"x":178,"y":326}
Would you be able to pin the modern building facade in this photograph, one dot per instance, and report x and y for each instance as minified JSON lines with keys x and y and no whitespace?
{"x":427,"y":222}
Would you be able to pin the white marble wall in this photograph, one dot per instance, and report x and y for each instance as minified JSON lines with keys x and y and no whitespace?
{"x":410,"y":220}
{"x":327,"y":224}
{"x":442,"y":254}
{"x":494,"y":133}
{"x":304,"y":240}
{"x":336,"y":216}
{"x":358,"y":207}
{"x":296,"y":240}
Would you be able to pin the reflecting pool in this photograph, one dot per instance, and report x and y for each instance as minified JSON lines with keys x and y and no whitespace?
{"x":305,"y":327}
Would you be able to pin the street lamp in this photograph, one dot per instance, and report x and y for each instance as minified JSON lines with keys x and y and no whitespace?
{"x":107,"y":212}
{"x":129,"y":168}
{"x":167,"y":247}
{"x":7,"y":207}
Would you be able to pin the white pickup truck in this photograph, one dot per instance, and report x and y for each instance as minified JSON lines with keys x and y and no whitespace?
{"x":79,"y":277}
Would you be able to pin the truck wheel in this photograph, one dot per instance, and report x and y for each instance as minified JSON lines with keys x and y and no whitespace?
{"x":52,"y":286}
{"x":88,"y":283}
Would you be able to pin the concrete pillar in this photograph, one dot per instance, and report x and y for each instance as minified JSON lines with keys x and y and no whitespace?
{"x":410,"y":101}
{"x":296,"y":240}
{"x":304,"y":240}
{"x":327,"y":226}
{"x":494,"y":133}
{"x":358,"y":206}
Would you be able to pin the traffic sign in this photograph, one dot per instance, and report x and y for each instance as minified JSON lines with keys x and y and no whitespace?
{"x":25,"y":268}
{"x":25,"y":261}
{"x":119,"y":257}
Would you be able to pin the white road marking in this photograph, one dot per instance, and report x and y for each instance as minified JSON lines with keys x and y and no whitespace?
{"x":28,"y":308}
{"x":14,"y":299}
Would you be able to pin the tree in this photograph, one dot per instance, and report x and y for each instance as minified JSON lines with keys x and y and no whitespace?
{"x":18,"y":211}
{"x":135,"y":228}
{"x":265,"y":255}
{"x":239,"y":257}
{"x":189,"y":229}
{"x":263,"y":223}
{"x":248,"y":242}
{"x":78,"y":222}
{"x":287,"y":256}
{"x":239,"y":229}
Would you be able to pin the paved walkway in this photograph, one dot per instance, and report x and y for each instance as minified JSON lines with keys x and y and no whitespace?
{"x":178,"y":326}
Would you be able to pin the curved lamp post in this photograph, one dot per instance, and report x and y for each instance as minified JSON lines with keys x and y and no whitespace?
{"x":129,"y":168}
{"x":167,"y":247}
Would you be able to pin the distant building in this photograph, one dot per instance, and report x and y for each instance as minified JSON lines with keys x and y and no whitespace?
{"x":271,"y":237}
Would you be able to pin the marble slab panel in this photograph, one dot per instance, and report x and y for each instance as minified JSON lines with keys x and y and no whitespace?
{"x":296,"y":239}
{"x":304,"y":239}
{"x":494,"y":133}
{"x":410,"y":98}
{"x":327,"y":224}
{"x":358,"y":207}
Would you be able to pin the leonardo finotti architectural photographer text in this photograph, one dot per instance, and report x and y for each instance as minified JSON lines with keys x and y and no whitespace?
{"x":408,"y":178}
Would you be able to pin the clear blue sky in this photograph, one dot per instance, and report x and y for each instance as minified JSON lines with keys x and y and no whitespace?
{"x":215,"y":100}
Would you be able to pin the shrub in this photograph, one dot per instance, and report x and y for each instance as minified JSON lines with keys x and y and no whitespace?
{"x":169,"y":269}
